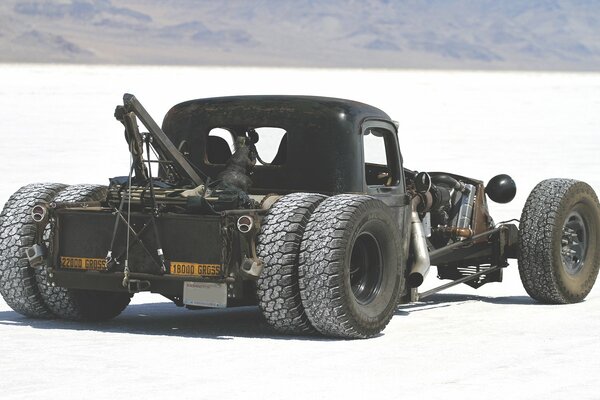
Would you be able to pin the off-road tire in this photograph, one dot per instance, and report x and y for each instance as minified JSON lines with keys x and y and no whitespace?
{"x":17,"y":233}
{"x":350,"y":272}
{"x":75,"y":304}
{"x":278,"y":247}
{"x":559,"y":215}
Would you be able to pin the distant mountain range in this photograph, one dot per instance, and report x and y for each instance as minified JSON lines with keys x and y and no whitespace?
{"x":445,"y":34}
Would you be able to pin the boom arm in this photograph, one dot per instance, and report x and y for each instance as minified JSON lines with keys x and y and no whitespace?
{"x":132,"y":105}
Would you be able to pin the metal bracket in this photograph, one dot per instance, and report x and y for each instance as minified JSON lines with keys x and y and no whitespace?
{"x":36,"y":255}
{"x":251,"y":268}
{"x":136,"y":286}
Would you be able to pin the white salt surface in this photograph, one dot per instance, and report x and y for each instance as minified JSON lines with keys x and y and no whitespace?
{"x":56,"y":125}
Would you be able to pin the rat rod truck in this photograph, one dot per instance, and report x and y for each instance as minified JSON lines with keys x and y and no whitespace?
{"x":276,"y":201}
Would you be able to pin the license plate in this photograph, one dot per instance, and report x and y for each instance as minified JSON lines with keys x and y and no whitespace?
{"x":192,"y":269}
{"x":93,"y":264}
{"x":205,"y":294}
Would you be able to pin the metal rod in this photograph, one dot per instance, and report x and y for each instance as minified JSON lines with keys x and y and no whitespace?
{"x":458,"y":245}
{"x":159,"y":250}
{"x":160,"y":161}
{"x":457,"y":282}
{"x":136,"y":236}
{"x":116,"y":225}
{"x":135,"y":146}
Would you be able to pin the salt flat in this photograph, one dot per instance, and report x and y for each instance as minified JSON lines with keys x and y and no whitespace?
{"x":56,"y":124}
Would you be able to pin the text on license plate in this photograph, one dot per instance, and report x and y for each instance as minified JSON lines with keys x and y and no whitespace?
{"x":193,"y":269}
{"x":95,"y":264}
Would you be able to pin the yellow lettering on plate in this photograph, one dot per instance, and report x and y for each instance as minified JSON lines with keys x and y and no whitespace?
{"x":193,"y":269}
{"x":93,"y":264}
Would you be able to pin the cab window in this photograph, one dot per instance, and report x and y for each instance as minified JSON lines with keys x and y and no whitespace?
{"x":381,"y":157}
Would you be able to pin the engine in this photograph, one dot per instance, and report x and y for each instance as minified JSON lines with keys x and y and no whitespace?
{"x":453,"y":208}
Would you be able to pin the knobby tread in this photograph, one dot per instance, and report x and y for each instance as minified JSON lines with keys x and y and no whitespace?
{"x":278,"y":247}
{"x":539,"y":233}
{"x":80,"y":305}
{"x":17,"y":233}
{"x":322,"y":252}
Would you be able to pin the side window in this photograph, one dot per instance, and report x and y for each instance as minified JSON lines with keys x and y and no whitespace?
{"x":219,"y":146}
{"x":374,"y":146}
{"x":271,"y":145}
{"x":381,"y":157}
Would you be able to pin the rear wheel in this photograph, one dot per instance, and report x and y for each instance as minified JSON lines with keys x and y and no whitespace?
{"x":559,"y":239}
{"x":350,"y":267}
{"x":278,"y":247}
{"x":74,"y":304}
{"x":17,"y":233}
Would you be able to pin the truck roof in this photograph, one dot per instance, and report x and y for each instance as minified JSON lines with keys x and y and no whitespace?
{"x":324,"y":147}
{"x":315,"y":106}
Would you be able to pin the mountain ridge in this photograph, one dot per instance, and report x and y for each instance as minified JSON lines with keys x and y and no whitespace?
{"x":452,"y":34}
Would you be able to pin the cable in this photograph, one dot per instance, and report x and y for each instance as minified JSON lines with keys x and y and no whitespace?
{"x":116,"y":226}
{"x":126,"y":269}
{"x":159,"y":250}
{"x":505,"y":222}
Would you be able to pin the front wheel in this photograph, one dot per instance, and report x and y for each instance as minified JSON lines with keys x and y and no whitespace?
{"x":559,"y":243}
{"x":350,"y":271}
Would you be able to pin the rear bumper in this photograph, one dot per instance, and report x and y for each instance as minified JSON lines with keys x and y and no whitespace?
{"x":168,"y":285}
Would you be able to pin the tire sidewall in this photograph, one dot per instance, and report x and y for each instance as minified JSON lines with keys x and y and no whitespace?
{"x":574,"y":287}
{"x":376,"y":221}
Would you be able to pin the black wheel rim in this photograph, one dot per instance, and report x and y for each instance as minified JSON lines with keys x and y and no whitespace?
{"x":366,"y":268}
{"x":574,"y":243}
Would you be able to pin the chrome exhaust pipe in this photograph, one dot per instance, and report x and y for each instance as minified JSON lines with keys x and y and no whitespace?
{"x":421,"y":263}
{"x":39,"y":213}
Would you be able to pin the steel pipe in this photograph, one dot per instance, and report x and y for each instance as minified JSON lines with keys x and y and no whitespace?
{"x":421,"y":263}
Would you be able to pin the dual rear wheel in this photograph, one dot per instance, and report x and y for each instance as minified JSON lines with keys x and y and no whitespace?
{"x":337,"y":268}
{"x":28,"y":291}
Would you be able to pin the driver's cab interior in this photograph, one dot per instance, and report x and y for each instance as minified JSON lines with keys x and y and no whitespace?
{"x":270,"y":144}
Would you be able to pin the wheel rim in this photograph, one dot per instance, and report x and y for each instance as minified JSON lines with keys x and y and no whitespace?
{"x":574,"y":243}
{"x":366,"y":268}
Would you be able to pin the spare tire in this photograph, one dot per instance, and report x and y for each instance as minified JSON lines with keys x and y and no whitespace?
{"x":17,"y":233}
{"x":559,"y":241}
{"x":76,"y":304}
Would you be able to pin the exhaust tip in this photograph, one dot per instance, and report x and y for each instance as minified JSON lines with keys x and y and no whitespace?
{"x":415,"y":279}
{"x":245,"y":223}
{"x":38,"y":213}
